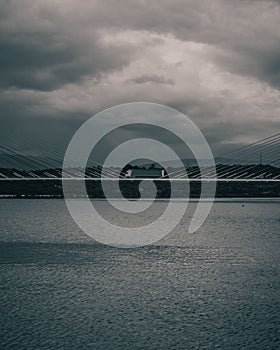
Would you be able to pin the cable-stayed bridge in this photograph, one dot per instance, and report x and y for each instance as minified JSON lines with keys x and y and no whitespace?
{"x":258,"y":161}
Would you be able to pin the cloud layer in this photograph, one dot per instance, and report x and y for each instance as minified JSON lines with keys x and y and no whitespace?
{"x":217,"y":61}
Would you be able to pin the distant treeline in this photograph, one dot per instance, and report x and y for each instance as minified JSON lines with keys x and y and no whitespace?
{"x":132,"y":189}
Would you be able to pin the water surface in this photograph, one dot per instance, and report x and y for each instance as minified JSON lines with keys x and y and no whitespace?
{"x":215,"y":289}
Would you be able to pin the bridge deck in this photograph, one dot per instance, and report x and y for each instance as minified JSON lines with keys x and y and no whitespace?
{"x":140,"y":179}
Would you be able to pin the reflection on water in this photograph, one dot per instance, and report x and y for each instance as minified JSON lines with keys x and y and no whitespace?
{"x":215,"y":289}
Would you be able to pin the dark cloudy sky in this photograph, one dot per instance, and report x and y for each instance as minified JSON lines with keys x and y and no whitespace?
{"x":217,"y":61}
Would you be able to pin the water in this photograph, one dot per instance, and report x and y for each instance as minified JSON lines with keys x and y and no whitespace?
{"x":215,"y":289}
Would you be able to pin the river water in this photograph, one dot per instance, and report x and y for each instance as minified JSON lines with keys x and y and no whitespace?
{"x":215,"y":289}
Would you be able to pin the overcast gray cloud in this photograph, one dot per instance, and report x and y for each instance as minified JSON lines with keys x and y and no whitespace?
{"x":154,"y":78}
{"x":217,"y":61}
{"x":43,"y":49}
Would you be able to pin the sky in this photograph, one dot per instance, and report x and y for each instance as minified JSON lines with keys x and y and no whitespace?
{"x":216,"y":61}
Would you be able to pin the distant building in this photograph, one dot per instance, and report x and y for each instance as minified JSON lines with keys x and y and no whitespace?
{"x":145,"y":173}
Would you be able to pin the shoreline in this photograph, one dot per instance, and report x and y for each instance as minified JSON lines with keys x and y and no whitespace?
{"x":191,"y":200}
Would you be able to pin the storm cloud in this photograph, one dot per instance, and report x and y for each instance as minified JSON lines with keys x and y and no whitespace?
{"x":216,"y":61}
